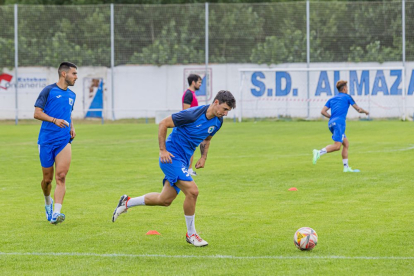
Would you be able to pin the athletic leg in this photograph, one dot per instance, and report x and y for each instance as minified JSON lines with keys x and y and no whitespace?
{"x":329,"y":148}
{"x":345,"y":156}
{"x":165,"y":198}
{"x":62,"y":161}
{"x":334,"y":147}
{"x":62,"y":164}
{"x":47,"y":181}
{"x":337,"y":136}
{"x":345,"y":148}
{"x":190,"y":191}
{"x":46,"y":188}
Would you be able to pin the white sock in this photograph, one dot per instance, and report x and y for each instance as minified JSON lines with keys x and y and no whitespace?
{"x":323,"y":151}
{"x":57,"y":208}
{"x":48,"y":200}
{"x":190,"y":225}
{"x":136,"y":201}
{"x":345,"y":161}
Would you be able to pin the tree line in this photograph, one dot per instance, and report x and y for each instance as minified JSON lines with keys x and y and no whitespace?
{"x":266,"y":33}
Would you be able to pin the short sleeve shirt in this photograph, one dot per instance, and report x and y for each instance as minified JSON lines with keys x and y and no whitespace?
{"x":191,"y":128}
{"x":57,"y":103}
{"x":339,"y":106}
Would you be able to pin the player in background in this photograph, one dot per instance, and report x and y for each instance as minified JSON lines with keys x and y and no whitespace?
{"x":54,"y":107}
{"x":191,"y":127}
{"x":190,"y":100}
{"x":339,"y":106}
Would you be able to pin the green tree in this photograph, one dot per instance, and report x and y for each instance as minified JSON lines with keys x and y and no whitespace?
{"x":267,"y":33}
{"x":61,"y":35}
{"x":159,"y":34}
{"x":6,"y":36}
{"x":233,"y":32}
{"x":172,"y":46}
{"x":374,"y":52}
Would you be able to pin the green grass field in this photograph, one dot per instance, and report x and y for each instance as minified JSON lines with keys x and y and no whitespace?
{"x":245,"y":211}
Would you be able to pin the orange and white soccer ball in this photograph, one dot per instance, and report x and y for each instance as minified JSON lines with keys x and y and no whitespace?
{"x":305,"y":238}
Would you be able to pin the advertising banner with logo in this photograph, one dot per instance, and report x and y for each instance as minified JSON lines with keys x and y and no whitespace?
{"x":143,"y":91}
{"x":286,"y":92}
{"x":28,"y":86}
{"x":93,"y":97}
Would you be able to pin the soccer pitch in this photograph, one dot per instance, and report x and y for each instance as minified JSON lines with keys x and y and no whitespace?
{"x":244,"y":210}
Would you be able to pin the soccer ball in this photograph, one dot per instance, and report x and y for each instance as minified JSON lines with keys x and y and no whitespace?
{"x":305,"y":238}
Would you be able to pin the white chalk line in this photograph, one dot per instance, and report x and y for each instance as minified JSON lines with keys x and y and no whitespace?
{"x":117,"y":255}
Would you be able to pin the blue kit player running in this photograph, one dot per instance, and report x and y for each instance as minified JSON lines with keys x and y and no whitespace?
{"x":191,"y":127}
{"x":54,"y":107}
{"x":339,"y":106}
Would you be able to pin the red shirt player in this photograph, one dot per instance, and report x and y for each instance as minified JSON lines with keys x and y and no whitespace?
{"x":189,"y":97}
{"x":190,"y":100}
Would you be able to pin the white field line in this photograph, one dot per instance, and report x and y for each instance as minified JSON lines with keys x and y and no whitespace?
{"x":116,"y":255}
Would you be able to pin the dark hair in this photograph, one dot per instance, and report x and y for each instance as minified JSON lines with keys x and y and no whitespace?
{"x":224,"y":96}
{"x":340,"y":84}
{"x":65,"y":66}
{"x":193,"y":77}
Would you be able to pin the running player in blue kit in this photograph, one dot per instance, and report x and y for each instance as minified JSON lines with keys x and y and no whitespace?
{"x":54,"y":107}
{"x":339,"y":106}
{"x":191,"y":127}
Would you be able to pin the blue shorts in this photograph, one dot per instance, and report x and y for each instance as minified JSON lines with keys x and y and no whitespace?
{"x":177,"y":170}
{"x":338,"y":131}
{"x":48,"y":152}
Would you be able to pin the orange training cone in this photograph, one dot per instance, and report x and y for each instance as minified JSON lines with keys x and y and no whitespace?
{"x":293,"y":189}
{"x":153,"y":232}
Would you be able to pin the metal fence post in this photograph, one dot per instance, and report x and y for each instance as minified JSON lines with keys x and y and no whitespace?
{"x":241,"y":96}
{"x":206,"y":48}
{"x":112,"y":62}
{"x":308,"y":54}
{"x":16,"y":62}
{"x":403,"y":60}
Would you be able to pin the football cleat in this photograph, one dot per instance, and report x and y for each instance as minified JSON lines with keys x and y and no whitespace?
{"x":316,"y":156}
{"x":195,"y":240}
{"x":49,"y":211}
{"x":57,"y":218}
{"x":349,"y":169}
{"x":121,"y":208}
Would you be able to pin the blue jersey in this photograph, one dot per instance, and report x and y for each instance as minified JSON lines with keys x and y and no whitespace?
{"x":339,"y":106}
{"x":191,"y":128}
{"x":56,"y":103}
